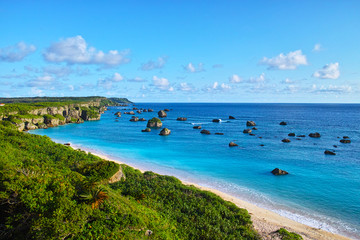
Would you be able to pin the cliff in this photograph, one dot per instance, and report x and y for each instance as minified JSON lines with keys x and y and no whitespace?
{"x":29,"y":116}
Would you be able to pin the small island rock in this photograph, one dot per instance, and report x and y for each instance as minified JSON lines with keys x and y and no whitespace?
{"x":247,"y":131}
{"x":196,"y":127}
{"x":250,"y":123}
{"x":162,"y":114}
{"x":165,"y":132}
{"x":181,"y":119}
{"x":232,"y":144}
{"x":219,"y":133}
{"x":314,"y":135}
{"x":216,"y":120}
{"x":146,"y":130}
{"x":205,"y":132}
{"x":283,"y":123}
{"x":327,"y":152}
{"x":286,"y":140}
{"x":291,"y":134}
{"x":278,"y":171}
{"x":154,"y":123}
{"x":231,"y":117}
{"x":345,"y":141}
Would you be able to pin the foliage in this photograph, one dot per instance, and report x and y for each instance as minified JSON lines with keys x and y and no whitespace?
{"x":286,"y":235}
{"x":50,"y":191}
{"x":154,"y":120}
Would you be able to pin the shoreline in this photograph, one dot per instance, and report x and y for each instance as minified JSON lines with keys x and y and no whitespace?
{"x":264,"y":221}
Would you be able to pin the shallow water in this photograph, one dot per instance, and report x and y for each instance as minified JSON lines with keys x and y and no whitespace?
{"x":321,"y":191}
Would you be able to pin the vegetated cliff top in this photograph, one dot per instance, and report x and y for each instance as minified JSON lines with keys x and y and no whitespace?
{"x":53,"y":99}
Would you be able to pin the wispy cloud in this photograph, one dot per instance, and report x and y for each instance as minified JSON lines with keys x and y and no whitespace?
{"x":136,"y":79}
{"x":107,"y":83}
{"x":331,"y":89}
{"x":329,"y":71}
{"x":190,"y":67}
{"x":75,"y":50}
{"x":235,"y":79}
{"x":186,"y":87}
{"x":285,"y":61}
{"x":317,"y":47}
{"x":150,"y":65}
{"x":162,"y":84}
{"x":16,"y":53}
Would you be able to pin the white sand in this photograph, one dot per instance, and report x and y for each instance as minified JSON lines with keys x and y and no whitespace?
{"x":265,"y":222}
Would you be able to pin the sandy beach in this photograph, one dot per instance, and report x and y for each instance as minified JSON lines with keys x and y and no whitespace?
{"x":265,"y":222}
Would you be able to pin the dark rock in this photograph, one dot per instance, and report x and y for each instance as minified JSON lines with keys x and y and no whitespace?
{"x":232,"y":144}
{"x":345,"y":141}
{"x":138,"y":111}
{"x":251,"y":134}
{"x":231,"y":117}
{"x":291,"y":134}
{"x":254,"y":128}
{"x":142,"y":119}
{"x":131,"y":113}
{"x":327,"y":152}
{"x":167,"y":110}
{"x":247,"y":131}
{"x":345,"y":137}
{"x":162,"y":114}
{"x":278,"y":171}
{"x":150,"y":110}
{"x":335,"y":146}
{"x":134,"y":119}
{"x":260,"y":137}
{"x":135,"y":108}
{"x":154,"y":123}
{"x":165,"y":132}
{"x":261,"y":145}
{"x":145,"y":110}
{"x":196,"y":127}
{"x":219,"y":133}
{"x":314,"y":135}
{"x":216,"y":120}
{"x":301,"y":136}
{"x":283,"y":123}
{"x":181,"y":119}
{"x":298,"y":139}
{"x":286,"y":140}
{"x":205,"y":131}
{"x":146,"y":130}
{"x":250,"y":123}
{"x":67,"y":144}
{"x":118,"y":114}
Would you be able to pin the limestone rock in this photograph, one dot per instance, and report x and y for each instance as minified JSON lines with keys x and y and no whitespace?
{"x":146,"y":130}
{"x":247,"y":130}
{"x":181,"y":119}
{"x":286,"y":140}
{"x":278,"y":171}
{"x":232,"y":144}
{"x":205,"y":132}
{"x":154,"y":123}
{"x":250,"y":123}
{"x":165,"y":132}
{"x":196,"y":127}
{"x":162,"y":114}
{"x":327,"y":152}
{"x":314,"y":135}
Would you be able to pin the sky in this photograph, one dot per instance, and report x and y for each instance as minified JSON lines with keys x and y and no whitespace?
{"x":182,"y":51}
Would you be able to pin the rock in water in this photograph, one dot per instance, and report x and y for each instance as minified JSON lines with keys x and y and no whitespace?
{"x":345,"y":141}
{"x":216,"y":120}
{"x":142,"y":119}
{"x":232,"y":144}
{"x":146,"y":130}
{"x":283,"y":123}
{"x":205,"y":131}
{"x":154,"y":123}
{"x":247,"y":131}
{"x":327,"y":152}
{"x":278,"y":171}
{"x":218,"y":133}
{"x":162,"y":114}
{"x":286,"y":140}
{"x":250,"y":123}
{"x":165,"y":132}
{"x":181,"y":119}
{"x":315,"y":135}
{"x":196,"y":127}
{"x":231,"y":117}
{"x":291,"y":134}
{"x":118,"y":114}
{"x":167,"y":110}
{"x":134,"y":119}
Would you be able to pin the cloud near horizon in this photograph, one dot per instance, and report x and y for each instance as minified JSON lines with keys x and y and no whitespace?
{"x":16,"y":53}
{"x":235,"y":79}
{"x":75,"y":50}
{"x":288,"y":61}
{"x":162,"y":84}
{"x":329,"y":71}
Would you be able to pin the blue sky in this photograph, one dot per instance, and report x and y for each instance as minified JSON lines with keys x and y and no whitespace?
{"x":182,"y":51}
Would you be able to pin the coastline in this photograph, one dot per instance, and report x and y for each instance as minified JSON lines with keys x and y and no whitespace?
{"x":264,"y":221}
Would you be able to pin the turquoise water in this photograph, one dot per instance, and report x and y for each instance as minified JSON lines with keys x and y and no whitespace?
{"x":321,"y":191}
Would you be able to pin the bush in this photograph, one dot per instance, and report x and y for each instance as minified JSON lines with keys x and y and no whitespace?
{"x":286,"y":235}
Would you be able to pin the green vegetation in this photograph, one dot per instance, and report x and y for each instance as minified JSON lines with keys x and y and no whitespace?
{"x":91,"y":112}
{"x":154,"y":120}
{"x":50,"y":191}
{"x":286,"y":235}
{"x":121,"y":100}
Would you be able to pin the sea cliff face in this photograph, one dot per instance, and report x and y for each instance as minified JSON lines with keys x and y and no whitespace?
{"x":45,"y":117}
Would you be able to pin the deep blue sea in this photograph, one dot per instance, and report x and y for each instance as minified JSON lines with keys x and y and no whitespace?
{"x":322,"y":191}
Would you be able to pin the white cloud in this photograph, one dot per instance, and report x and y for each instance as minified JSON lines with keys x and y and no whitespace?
{"x":217,"y":87}
{"x":329,"y":71}
{"x":186,"y":87}
{"x":259,"y":79}
{"x":317,"y":47}
{"x":192,"y":68}
{"x":16,"y":53}
{"x":331,"y":89}
{"x":45,"y":82}
{"x":107,"y":83}
{"x":150,"y":65}
{"x":117,"y":77}
{"x":162,"y":84}
{"x":235,"y":79}
{"x":75,"y":50}
{"x":59,"y":71}
{"x":285,"y":61}
{"x":287,"y":81}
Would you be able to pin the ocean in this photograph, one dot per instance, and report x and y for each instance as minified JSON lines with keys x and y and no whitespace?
{"x":322,"y":191}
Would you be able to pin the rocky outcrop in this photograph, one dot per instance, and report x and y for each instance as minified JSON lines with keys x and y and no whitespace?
{"x":219,"y":133}
{"x":315,"y":135}
{"x":328,"y":152}
{"x":278,"y":171}
{"x":196,"y":127}
{"x":254,"y":128}
{"x":150,"y":110}
{"x":286,"y":140}
{"x":250,"y":123}
{"x":118,"y":114}
{"x":30,"y":126}
{"x":345,"y":141}
{"x":154,"y":123}
{"x":167,"y":110}
{"x":118,"y":176}
{"x":231,"y":117}
{"x":232,"y":144}
{"x":181,"y":119}
{"x":216,"y":120}
{"x":283,"y":123}
{"x":142,"y":119}
{"x":291,"y":134}
{"x":146,"y":130}
{"x":205,"y":132}
{"x":162,"y":114}
{"x":165,"y":132}
{"x":134,"y":119}
{"x":247,"y":131}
